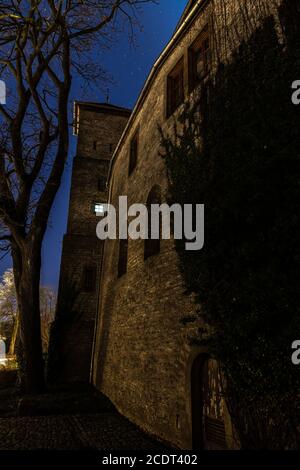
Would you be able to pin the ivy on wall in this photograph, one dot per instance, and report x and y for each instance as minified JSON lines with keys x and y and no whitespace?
{"x":246,"y":172}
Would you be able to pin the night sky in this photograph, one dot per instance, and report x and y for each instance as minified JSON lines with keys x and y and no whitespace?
{"x":129,"y":66}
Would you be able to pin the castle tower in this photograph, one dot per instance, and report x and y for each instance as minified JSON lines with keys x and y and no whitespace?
{"x":98,"y":128}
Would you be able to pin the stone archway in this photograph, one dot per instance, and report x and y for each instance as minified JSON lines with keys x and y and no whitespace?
{"x":208,"y":405}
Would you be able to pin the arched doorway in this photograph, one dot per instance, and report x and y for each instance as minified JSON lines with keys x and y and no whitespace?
{"x":208,"y":405}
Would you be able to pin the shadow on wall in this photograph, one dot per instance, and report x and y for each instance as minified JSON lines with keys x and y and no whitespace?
{"x":66,"y":324}
{"x":246,"y":173}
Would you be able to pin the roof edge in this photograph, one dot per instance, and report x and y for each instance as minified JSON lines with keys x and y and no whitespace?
{"x":157,"y":65}
{"x":104,"y":107}
{"x":185,"y":13}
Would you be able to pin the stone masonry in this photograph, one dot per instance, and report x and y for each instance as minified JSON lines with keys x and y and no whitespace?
{"x":143,"y":358}
{"x":81,"y":254}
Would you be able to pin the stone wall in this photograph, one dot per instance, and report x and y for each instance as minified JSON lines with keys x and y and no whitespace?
{"x":143,"y":355}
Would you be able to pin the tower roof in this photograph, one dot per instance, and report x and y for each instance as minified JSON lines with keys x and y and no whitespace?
{"x":106,"y":108}
{"x":102,"y":107}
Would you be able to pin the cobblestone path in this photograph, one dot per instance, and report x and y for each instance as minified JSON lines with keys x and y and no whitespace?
{"x":105,"y":431}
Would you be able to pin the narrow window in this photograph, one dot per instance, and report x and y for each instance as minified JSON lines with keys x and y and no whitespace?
{"x":133,"y":156}
{"x":152,"y":246}
{"x":102,"y":183}
{"x":89,"y":279}
{"x":95,"y":145}
{"x":199,"y":59}
{"x":123,"y":255}
{"x":175,"y":89}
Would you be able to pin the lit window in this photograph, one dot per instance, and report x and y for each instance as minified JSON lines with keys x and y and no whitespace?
{"x":99,"y":208}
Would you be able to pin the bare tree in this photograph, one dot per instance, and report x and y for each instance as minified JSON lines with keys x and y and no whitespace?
{"x":41,"y":41}
{"x":9,"y":310}
{"x":47,"y":307}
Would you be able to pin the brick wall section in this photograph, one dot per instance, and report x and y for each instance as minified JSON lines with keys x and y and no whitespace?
{"x":104,"y":128}
{"x":143,"y":355}
{"x":84,"y":193}
{"x":81,"y":248}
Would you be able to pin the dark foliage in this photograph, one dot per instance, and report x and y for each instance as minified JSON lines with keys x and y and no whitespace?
{"x":246,"y":172}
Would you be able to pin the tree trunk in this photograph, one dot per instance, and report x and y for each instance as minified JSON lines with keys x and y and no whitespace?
{"x":27,"y":265}
{"x":14,"y":336}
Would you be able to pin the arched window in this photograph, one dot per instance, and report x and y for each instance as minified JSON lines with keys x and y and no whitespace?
{"x":102,"y":183}
{"x":133,"y":155}
{"x":152,"y":245}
